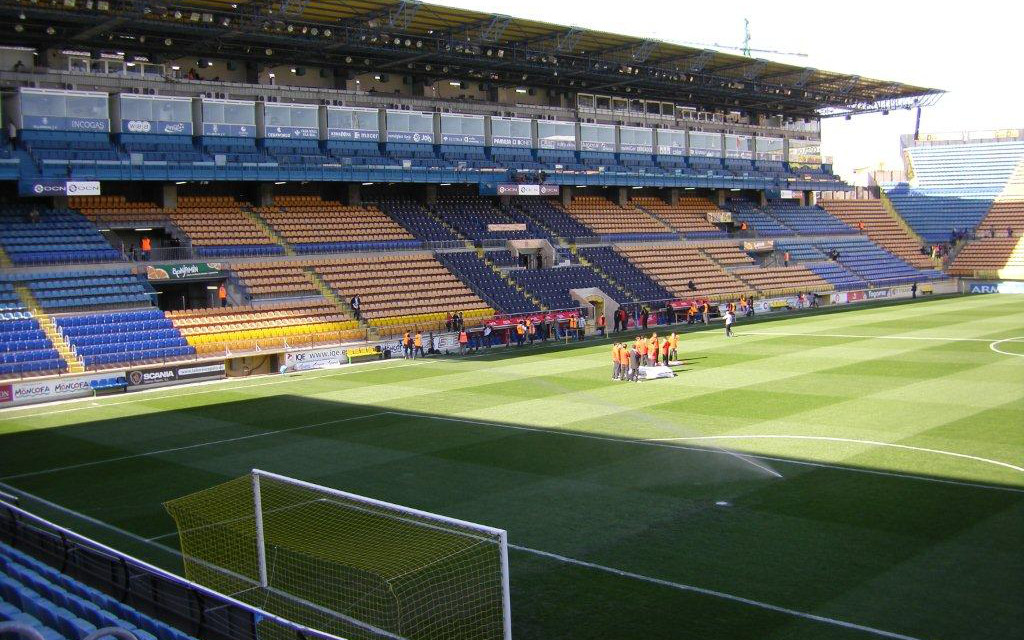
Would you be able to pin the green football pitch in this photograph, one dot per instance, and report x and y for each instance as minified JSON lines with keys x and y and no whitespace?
{"x":836,"y":475}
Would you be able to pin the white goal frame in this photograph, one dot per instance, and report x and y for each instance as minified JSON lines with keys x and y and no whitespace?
{"x":500,"y":534}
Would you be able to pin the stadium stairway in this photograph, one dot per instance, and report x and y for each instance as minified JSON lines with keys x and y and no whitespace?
{"x":504,"y":276}
{"x":371,"y":332}
{"x":50,"y":329}
{"x":604,"y":275}
{"x":5,"y":261}
{"x":258,"y":220}
{"x":436,"y":217}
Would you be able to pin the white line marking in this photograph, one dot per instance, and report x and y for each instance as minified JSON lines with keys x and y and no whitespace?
{"x":740,"y":456}
{"x":806,"y":463}
{"x":851,"y":335}
{"x":186,"y":447}
{"x":545,"y":554}
{"x":711,"y":592}
{"x":832,"y":439}
{"x":993,"y":346}
{"x":190,"y":390}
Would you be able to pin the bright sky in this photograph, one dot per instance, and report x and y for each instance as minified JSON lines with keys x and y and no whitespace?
{"x":972,"y":50}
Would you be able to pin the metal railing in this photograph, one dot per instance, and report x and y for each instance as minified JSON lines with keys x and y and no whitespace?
{"x":153,"y":591}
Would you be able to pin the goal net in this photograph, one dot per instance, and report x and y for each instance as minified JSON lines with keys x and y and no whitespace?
{"x":350,"y":566}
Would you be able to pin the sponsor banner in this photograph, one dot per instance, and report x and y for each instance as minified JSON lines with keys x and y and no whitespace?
{"x":409,"y":136}
{"x":567,"y":145}
{"x":719,"y":217}
{"x":839,"y":297}
{"x":229,"y":130}
{"x":855,"y":296}
{"x":355,"y":135}
{"x":758,"y":245}
{"x":46,"y":188}
{"x":183,"y":271}
{"x":507,"y":227}
{"x":519,"y":189}
{"x":56,"y":123}
{"x":507,"y":141}
{"x":294,"y":133}
{"x":161,"y":127}
{"x":671,"y":150}
{"x":138,"y":378}
{"x":877,"y":294}
{"x":315,"y":359}
{"x":706,"y":153}
{"x":461,"y":138}
{"x":586,"y":145}
{"x":636,"y":148}
{"x":995,"y":287}
{"x":17,"y":393}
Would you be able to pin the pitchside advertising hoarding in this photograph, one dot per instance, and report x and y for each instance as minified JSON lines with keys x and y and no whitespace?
{"x":315,"y":359}
{"x":31,"y":392}
{"x":995,"y":287}
{"x":140,"y":378}
{"x":50,"y":188}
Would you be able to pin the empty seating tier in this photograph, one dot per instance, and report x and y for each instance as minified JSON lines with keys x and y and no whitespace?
{"x":783,"y":280}
{"x":728,"y":255}
{"x":400,"y":290}
{"x":605,"y":218}
{"x":280,"y":325}
{"x":274,"y":279}
{"x":489,"y":284}
{"x":551,"y":286}
{"x":689,"y":216}
{"x":109,"y":340}
{"x":991,"y":257}
{"x":479,"y":219}
{"x":674,"y":267}
{"x":66,"y":291}
{"x":550,"y":215}
{"x":218,"y":227}
{"x":117,"y":210}
{"x":417,"y":220}
{"x":32,"y":235}
{"x":24,"y":348}
{"x":1005,"y":218}
{"x":881,"y":228}
{"x":760,"y":222}
{"x":808,"y":221}
{"x":625,"y":273}
{"x":312,"y":225}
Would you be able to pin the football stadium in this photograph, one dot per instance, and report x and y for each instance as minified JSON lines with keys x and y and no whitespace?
{"x":384,"y":319}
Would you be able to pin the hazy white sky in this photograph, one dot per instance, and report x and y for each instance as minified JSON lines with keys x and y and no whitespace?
{"x":973,"y":50}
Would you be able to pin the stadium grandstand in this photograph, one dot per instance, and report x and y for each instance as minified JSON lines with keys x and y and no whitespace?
{"x":207,"y":189}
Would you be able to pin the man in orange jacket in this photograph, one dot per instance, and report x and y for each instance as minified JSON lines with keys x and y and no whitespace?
{"x":418,"y":344}
{"x":641,"y":346}
{"x":624,"y":370}
{"x":653,"y":348}
{"x":616,"y":363}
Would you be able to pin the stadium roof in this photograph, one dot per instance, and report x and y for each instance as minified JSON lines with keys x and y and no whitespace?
{"x":433,"y":41}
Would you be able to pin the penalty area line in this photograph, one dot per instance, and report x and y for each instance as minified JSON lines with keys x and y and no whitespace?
{"x":546,"y":554}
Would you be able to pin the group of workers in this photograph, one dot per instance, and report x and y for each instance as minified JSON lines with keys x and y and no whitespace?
{"x":643,"y":352}
{"x":412,"y":345}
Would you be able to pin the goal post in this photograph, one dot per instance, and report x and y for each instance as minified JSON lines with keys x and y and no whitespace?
{"x":346,"y":564}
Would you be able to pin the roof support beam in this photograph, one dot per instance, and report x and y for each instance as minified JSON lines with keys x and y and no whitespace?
{"x":566,"y":42}
{"x":701,"y":61}
{"x":643,"y":51}
{"x":495,"y":29}
{"x":101,"y":28}
{"x":402,"y":16}
{"x":753,"y":71}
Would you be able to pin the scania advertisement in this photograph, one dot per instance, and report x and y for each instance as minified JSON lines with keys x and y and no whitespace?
{"x":141,"y":378}
{"x":31,"y":392}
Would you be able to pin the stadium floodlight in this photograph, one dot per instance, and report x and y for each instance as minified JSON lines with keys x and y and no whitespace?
{"x":345,"y":564}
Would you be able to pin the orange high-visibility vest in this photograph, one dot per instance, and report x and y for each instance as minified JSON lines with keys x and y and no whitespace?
{"x":222,"y":292}
{"x":642,"y":347}
{"x":146,"y":244}
{"x":463,"y":338}
{"x":406,"y":339}
{"x":419,"y":340}
{"x":624,"y":356}
{"x":615,"y":352}
{"x":572,"y":322}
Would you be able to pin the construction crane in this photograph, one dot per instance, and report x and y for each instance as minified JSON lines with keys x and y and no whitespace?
{"x":745,"y":49}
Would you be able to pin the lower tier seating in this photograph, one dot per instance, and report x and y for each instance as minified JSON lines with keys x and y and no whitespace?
{"x":491,"y":286}
{"x":24,"y":348}
{"x":551,"y":286}
{"x":129,"y":338}
{"x":274,"y":280}
{"x":31,"y":235}
{"x":67,"y":291}
{"x":689,"y":216}
{"x":675,"y":267}
{"x":881,"y":228}
{"x":218,"y":227}
{"x":783,"y":280}
{"x":1004,"y":218}
{"x":996,"y":257}
{"x":313,"y":225}
{"x":605,"y":218}
{"x":640,"y":286}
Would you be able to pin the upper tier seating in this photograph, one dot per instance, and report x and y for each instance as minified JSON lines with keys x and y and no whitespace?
{"x":274,"y":279}
{"x":728,"y":255}
{"x":991,"y":257}
{"x":412,"y":216}
{"x":218,"y":227}
{"x":108,"y":340}
{"x":9,"y":299}
{"x":24,"y":348}
{"x":674,"y":266}
{"x":604,"y":218}
{"x":688,"y":217}
{"x":551,"y":286}
{"x":881,"y":228}
{"x":292,"y":324}
{"x":808,"y":221}
{"x":356,"y":153}
{"x":471,"y":217}
{"x":234,"y":150}
{"x":114,"y":288}
{"x":977,"y":167}
{"x":118,"y":210}
{"x":59,"y":607}
{"x":762,"y":223}
{"x":401,"y":289}
{"x":486,"y":282}
{"x":551,"y":216}
{"x":162,"y":148}
{"x":312,"y":225}
{"x":31,"y":235}
{"x":637,"y":283}
{"x":783,"y":280}
{"x":54,"y":151}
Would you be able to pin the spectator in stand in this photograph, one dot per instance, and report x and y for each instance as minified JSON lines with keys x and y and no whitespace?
{"x":33,"y":216}
{"x":18,"y":66}
{"x":355,"y":304}
{"x":1009,"y":232}
{"x":860,"y":226}
{"x":222,"y":295}
{"x":690,"y":285}
{"x":785,"y":259}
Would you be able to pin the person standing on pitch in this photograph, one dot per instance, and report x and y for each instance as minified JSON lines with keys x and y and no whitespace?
{"x":418,"y":344}
{"x":641,"y":347}
{"x":615,"y":361}
{"x":463,"y":341}
{"x":652,"y":349}
{"x":634,"y":364}
{"x":674,"y":341}
{"x":406,"y":345}
{"x":730,"y":318}
{"x":666,"y":346}
{"x":623,"y":362}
